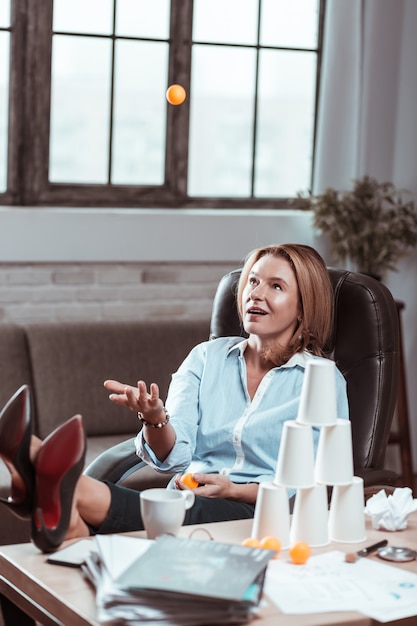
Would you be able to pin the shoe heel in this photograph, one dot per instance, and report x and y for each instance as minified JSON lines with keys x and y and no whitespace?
{"x":16,"y":429}
{"x":59,"y":464}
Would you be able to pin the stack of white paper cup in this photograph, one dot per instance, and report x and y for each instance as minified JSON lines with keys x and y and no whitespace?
{"x":310,"y":516}
{"x":312,"y":521}
{"x":334,"y":459}
{"x":347,"y":516}
{"x":295,"y":465}
{"x":318,"y":401}
{"x":272,"y":513}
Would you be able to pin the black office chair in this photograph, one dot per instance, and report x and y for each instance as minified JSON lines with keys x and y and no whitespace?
{"x":365,"y":347}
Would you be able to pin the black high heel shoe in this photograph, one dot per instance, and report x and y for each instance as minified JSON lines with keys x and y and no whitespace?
{"x":16,"y":429}
{"x":58,"y":465}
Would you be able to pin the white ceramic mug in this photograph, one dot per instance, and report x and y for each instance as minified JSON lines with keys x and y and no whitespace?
{"x":163,"y":510}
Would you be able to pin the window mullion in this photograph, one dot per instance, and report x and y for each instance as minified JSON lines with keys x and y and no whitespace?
{"x":15,"y":170}
{"x":255,"y":104}
{"x":111,"y":113}
{"x":322,"y":10}
{"x":37,"y":100}
{"x":179,"y":71}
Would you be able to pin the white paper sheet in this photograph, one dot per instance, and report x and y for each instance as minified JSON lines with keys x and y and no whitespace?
{"x":118,"y":552}
{"x":327,"y":583}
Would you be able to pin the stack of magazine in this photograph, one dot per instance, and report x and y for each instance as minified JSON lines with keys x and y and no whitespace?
{"x":175,"y":581}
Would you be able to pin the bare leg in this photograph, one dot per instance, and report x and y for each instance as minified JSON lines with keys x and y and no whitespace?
{"x":90,"y":506}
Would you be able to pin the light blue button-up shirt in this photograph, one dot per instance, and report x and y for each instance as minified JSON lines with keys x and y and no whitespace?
{"x":219,"y":428}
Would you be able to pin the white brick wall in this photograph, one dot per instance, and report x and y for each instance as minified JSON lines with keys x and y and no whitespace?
{"x":68,"y":291}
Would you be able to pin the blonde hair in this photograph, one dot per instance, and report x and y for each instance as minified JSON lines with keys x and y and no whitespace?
{"x":315,"y":298}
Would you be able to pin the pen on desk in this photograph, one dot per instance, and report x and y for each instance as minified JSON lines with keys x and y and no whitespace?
{"x":351,"y":557}
{"x":373,"y":548}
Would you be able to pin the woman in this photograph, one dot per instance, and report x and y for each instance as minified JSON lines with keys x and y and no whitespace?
{"x":223,"y":417}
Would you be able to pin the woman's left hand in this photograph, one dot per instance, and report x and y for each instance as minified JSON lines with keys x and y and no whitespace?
{"x":211,"y":485}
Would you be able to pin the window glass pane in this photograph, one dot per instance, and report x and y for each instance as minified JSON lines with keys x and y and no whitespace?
{"x":83,"y":16}
{"x":291,"y":23}
{"x":285,"y":122}
{"x":143,"y":18}
{"x":80,"y":104}
{"x":5,"y":13}
{"x":4,"y":97}
{"x":231,"y":21}
{"x":140,"y":113}
{"x":221,"y":126}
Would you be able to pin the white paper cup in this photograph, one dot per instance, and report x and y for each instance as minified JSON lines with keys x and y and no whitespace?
{"x":295,"y":464}
{"x":318,"y":401}
{"x":310,"y":517}
{"x":272,"y":513}
{"x":163,"y":510}
{"x":334,"y":459}
{"x":347,"y":512}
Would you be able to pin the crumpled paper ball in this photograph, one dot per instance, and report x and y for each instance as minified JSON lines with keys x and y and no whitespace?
{"x":391,"y":512}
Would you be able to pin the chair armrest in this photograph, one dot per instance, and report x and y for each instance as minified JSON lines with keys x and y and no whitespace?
{"x":377,"y":477}
{"x":116,"y":463}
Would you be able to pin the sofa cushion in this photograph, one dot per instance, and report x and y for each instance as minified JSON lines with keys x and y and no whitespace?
{"x":65,"y":366}
{"x":70,"y":362}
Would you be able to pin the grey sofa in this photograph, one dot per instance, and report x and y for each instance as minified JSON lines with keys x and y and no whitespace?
{"x":66,"y":364}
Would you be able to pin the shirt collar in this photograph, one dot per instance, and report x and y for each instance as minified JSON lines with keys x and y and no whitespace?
{"x":299,"y":358}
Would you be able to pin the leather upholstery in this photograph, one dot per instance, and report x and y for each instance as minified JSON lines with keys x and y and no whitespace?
{"x":365,"y":346}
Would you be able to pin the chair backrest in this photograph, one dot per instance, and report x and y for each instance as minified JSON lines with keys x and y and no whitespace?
{"x":364,"y":345}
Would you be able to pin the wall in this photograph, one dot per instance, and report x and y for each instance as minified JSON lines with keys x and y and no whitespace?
{"x":107,"y":291}
{"x":61,"y":264}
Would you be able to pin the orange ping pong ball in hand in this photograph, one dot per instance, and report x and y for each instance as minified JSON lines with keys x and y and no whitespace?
{"x":176,"y":94}
{"x":189,"y":481}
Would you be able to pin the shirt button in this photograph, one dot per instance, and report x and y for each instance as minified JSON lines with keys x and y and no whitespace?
{"x":223,"y":472}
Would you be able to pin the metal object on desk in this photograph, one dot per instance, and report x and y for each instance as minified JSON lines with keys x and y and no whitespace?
{"x":397,"y":554}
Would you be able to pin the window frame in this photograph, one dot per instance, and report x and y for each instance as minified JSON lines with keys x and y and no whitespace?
{"x":29,"y":124}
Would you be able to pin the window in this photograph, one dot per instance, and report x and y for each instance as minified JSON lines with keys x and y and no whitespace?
{"x":89,"y":124}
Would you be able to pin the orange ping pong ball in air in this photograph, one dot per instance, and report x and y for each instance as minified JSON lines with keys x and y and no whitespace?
{"x":176,"y":94}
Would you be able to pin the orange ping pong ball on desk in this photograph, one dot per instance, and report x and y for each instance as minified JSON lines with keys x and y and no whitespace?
{"x":176,"y":94}
{"x":300,"y":552}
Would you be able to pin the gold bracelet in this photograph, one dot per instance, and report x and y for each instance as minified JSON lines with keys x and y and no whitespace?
{"x":158,"y":425}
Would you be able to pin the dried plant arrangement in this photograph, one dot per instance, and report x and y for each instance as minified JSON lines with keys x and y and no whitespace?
{"x":373,"y":225}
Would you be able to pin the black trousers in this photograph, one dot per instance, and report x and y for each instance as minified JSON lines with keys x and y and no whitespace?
{"x":124,"y":513}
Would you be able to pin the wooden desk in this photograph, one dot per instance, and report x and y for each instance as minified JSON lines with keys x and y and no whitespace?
{"x":53,"y":594}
